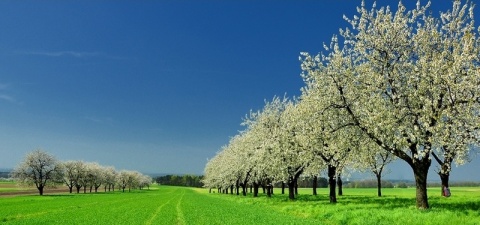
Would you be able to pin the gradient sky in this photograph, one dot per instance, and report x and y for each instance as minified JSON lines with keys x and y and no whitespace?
{"x":153,"y":86}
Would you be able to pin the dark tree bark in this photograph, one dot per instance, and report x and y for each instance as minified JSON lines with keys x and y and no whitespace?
{"x":314,"y":184}
{"x":231,"y":189}
{"x":255,"y":189}
{"x":340,"y":186}
{"x":332,"y":183}
{"x":379,"y":184}
{"x":269,"y":190}
{"x":291,"y":190}
{"x":40,"y":189}
{"x":444,"y":177}
{"x":296,"y":187}
{"x":283,"y":188}
{"x":237,"y":186}
{"x":420,"y":171}
{"x":445,"y":167}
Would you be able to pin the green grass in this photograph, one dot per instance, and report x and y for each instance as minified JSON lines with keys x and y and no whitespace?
{"x":176,"y":205}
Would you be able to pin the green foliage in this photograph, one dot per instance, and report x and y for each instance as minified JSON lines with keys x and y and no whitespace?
{"x":180,"y":180}
{"x":178,"y":205}
{"x":369,"y":184}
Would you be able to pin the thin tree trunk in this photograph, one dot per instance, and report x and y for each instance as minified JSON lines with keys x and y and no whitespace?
{"x":444,"y":177}
{"x":283,"y":188}
{"x":314,"y":184}
{"x":340,"y":186}
{"x":332,"y":183}
{"x":379,"y":184}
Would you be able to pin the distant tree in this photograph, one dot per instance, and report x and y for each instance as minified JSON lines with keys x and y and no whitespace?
{"x":39,"y":168}
{"x":73,"y":170}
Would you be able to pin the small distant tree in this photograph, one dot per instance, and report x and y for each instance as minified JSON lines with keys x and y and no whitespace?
{"x":39,"y":168}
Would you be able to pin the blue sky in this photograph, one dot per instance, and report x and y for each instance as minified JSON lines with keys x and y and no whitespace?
{"x":153,"y":86}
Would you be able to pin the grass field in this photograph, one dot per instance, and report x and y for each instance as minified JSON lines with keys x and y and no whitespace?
{"x":177,"y":205}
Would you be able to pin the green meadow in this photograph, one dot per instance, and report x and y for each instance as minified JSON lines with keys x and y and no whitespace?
{"x":179,"y":205}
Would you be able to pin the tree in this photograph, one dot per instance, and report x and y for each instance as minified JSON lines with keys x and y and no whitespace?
{"x":73,"y":170}
{"x":377,"y":163}
{"x":405,"y":79}
{"x":39,"y":168}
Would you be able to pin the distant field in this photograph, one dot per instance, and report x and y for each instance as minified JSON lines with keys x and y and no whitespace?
{"x":177,"y":205}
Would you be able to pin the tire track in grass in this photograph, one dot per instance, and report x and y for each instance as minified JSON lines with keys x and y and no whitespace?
{"x":180,"y":217}
{"x":159,"y":208}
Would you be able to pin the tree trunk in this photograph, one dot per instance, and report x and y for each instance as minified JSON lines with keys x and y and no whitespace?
{"x":420,"y":171}
{"x":314,"y":184}
{"x":283,"y":188}
{"x":244,"y":190}
{"x":255,"y":189}
{"x":70,"y":189}
{"x":237,"y":186}
{"x":269,"y":190}
{"x":231,"y":189}
{"x":444,"y":177}
{"x":379,"y":184}
{"x":340,"y":186}
{"x":332,"y":183}
{"x":40,"y":190}
{"x":296,"y":186}
{"x":291,"y":190}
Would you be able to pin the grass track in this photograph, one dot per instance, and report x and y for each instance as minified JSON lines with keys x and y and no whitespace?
{"x":176,"y":205}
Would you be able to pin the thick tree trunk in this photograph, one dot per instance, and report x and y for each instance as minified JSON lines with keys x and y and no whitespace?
{"x":255,"y":189}
{"x":314,"y":184}
{"x":332,"y":183}
{"x":70,"y":189}
{"x":231,"y":189}
{"x":244,"y":190}
{"x":296,"y":187}
{"x":291,"y":190}
{"x":40,"y":190}
{"x":420,"y":171}
{"x":340,"y":186}
{"x":379,"y":184}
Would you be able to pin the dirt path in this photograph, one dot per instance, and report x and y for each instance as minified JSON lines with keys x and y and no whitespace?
{"x":33,"y":191}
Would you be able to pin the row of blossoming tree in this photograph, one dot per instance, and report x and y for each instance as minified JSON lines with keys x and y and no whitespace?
{"x":42,"y":170}
{"x":401,"y":83}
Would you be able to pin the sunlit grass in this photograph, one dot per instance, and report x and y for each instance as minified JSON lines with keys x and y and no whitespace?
{"x":176,"y":205}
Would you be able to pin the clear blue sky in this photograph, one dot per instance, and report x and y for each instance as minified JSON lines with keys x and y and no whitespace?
{"x":153,"y":86}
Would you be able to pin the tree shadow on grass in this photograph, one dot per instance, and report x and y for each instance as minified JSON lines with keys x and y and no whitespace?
{"x":394,"y":202}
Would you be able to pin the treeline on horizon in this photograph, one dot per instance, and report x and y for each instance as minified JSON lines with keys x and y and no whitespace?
{"x":322,"y":182}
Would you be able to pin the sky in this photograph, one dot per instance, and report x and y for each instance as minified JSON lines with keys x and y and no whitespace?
{"x":153,"y":86}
